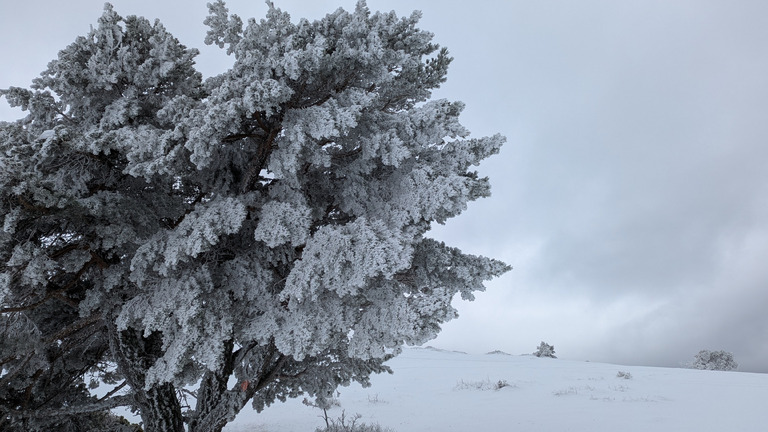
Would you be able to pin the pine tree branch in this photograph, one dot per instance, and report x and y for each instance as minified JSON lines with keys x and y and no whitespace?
{"x":73,"y":328}
{"x":259,"y":159}
{"x":58,"y":293}
{"x":113,"y":391}
{"x":9,"y":376}
{"x":98,"y":406}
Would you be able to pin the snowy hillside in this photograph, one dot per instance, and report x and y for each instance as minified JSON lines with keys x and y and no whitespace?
{"x":434,"y":390}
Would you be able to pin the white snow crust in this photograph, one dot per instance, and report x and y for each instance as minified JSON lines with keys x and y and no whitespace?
{"x":432,"y":390}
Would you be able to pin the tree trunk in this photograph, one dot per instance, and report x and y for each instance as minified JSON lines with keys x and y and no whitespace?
{"x":160,"y":409}
{"x":217,"y":404}
{"x":159,"y":406}
{"x":214,"y":404}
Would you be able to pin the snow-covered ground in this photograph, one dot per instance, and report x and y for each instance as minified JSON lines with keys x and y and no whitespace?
{"x":433,"y":390}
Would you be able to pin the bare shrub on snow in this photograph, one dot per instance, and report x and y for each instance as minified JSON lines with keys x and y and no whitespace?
{"x":343,"y":424}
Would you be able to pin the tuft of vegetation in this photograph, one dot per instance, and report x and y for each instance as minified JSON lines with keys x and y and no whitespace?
{"x":483,"y":385}
{"x":625,"y":375}
{"x":566,"y":392}
{"x":374,"y":399}
{"x":344,"y":424}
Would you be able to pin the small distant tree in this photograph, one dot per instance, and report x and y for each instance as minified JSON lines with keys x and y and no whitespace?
{"x":545,"y":350}
{"x":714,"y":360}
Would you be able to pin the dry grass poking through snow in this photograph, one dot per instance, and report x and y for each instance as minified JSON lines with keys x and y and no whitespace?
{"x":486,"y":384}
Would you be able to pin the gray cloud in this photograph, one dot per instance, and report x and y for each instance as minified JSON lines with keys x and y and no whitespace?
{"x":632,"y":196}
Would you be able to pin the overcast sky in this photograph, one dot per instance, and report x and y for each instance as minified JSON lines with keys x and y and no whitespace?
{"x":632,"y":194}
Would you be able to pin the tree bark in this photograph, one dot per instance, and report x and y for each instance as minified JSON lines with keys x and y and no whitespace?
{"x":216,"y":404}
{"x":210,"y":414}
{"x":158,"y":406}
{"x":160,"y":409}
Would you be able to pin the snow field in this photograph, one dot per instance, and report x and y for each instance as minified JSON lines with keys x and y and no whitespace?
{"x":434,"y":390}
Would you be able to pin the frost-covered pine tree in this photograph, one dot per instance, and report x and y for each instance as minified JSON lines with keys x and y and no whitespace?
{"x":714,"y":360}
{"x":254,"y":236}
{"x":545,"y":350}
